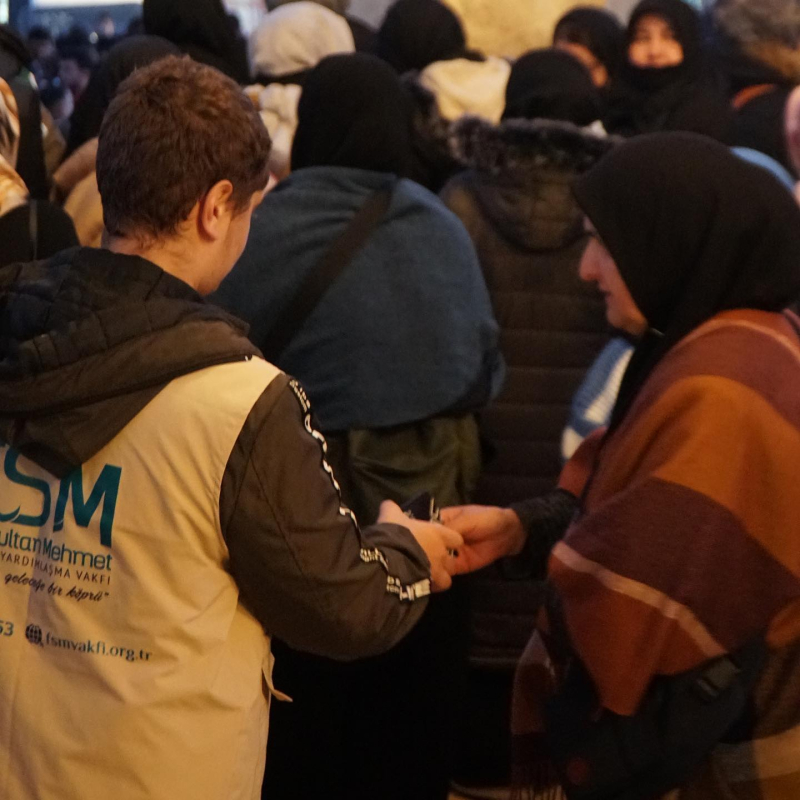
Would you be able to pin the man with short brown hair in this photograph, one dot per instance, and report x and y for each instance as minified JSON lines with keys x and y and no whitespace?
{"x":164,"y":497}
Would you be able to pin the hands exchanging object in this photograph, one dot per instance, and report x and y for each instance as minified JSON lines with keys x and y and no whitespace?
{"x":479,"y":535}
{"x":437,"y":541}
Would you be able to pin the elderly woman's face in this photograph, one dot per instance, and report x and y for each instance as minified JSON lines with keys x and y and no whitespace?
{"x":598,"y":267}
{"x":654,"y":44}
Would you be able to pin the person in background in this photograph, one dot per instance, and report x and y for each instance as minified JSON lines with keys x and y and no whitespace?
{"x":417,"y":33}
{"x":15,"y":69}
{"x":364,"y":37}
{"x":667,"y":82}
{"x":596,"y":38}
{"x":200,"y":28}
{"x":397,"y":354}
{"x":424,"y":42}
{"x":57,"y":99}
{"x":759,"y":51}
{"x":105,"y":33}
{"x":123,"y":58}
{"x":75,"y":70}
{"x":221,"y":524}
{"x":288,"y":43}
{"x":28,"y":229}
{"x":43,"y":51}
{"x":75,"y":181}
{"x":516,"y":204}
{"x":682,"y":564}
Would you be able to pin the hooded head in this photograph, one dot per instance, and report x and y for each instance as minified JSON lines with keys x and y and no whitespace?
{"x":596,"y":38}
{"x":550,"y":84}
{"x":295,"y":38}
{"x":13,"y":192}
{"x":201,"y":29}
{"x":367,"y":126}
{"x":122,"y":59}
{"x":665,"y":44}
{"x":693,"y":231}
{"x":417,"y":33}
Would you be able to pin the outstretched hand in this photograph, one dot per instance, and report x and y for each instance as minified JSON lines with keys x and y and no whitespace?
{"x":437,"y":541}
{"x":489,"y":533}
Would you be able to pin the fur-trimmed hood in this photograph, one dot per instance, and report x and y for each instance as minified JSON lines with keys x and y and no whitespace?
{"x":767,"y":31}
{"x":521,"y":171}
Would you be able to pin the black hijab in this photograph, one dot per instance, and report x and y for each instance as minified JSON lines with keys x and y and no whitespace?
{"x":599,"y":31}
{"x":122,"y":59}
{"x":353,"y":113}
{"x":551,"y":84}
{"x":687,"y":97}
{"x":14,"y":53}
{"x":201,"y":29}
{"x":685,"y":24}
{"x":417,"y":33}
{"x":694,"y":231}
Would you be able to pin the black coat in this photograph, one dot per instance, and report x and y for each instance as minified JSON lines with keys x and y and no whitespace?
{"x":517,"y":206}
{"x":53,"y":232}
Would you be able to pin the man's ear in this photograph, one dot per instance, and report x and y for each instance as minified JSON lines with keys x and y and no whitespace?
{"x":214,"y":211}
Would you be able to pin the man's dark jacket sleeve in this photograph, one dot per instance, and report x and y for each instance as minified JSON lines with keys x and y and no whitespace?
{"x":303,"y":567}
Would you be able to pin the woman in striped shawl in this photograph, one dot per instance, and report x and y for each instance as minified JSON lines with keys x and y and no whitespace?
{"x":686,"y":544}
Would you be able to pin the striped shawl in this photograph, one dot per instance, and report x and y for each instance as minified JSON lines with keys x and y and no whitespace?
{"x":689,"y":544}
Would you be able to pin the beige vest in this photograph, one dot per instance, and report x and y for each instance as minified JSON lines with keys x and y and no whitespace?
{"x":128,"y":668}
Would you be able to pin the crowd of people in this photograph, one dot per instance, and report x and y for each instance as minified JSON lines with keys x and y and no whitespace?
{"x":433,"y":403}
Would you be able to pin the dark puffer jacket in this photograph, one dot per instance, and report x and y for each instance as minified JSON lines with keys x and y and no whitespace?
{"x":516,"y":204}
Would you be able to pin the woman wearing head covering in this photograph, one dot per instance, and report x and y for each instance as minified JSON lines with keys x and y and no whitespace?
{"x":122,"y":59}
{"x":396,"y":356}
{"x":596,"y":38}
{"x":364,"y":36}
{"x":201,"y":29}
{"x":28,"y":230}
{"x":675,"y":593}
{"x":416,"y":33}
{"x":515,"y":201}
{"x":286,"y":46}
{"x":75,"y":181}
{"x":667,"y":83}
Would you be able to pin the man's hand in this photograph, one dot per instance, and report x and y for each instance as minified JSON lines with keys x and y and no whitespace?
{"x":489,"y":533}
{"x":436,"y":540}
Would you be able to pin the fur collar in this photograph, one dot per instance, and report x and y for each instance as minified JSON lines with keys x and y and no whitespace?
{"x":526,"y":146}
{"x":767,"y":31}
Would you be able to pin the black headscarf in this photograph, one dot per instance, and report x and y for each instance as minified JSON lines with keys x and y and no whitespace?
{"x":122,"y":59}
{"x":353,"y":113}
{"x":14,"y":53}
{"x":551,"y":84}
{"x":599,"y":31}
{"x":417,"y":33}
{"x":694,"y":231}
{"x":685,"y":24}
{"x":201,"y":29}
{"x":687,"y":97}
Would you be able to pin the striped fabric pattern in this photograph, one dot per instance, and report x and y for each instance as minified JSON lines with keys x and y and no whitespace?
{"x":689,"y":545}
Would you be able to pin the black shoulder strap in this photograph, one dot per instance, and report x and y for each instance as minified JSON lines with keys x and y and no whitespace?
{"x":33,"y":228}
{"x":341,"y":253}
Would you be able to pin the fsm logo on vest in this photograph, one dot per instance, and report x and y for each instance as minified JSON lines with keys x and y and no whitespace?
{"x":71,"y":495}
